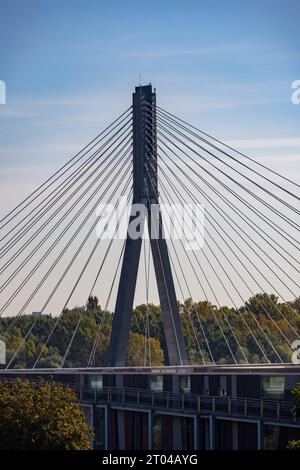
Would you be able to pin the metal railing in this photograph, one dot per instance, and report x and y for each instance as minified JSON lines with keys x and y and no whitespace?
{"x":249,"y":408}
{"x":186,"y":403}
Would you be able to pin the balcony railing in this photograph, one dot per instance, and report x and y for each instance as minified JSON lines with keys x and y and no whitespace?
{"x":250,"y":408}
{"x":187,"y":403}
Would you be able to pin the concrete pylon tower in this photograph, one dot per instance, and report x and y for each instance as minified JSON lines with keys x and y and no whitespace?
{"x":145,"y":193}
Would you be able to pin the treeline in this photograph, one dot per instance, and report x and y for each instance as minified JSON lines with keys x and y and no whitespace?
{"x":263,"y":326}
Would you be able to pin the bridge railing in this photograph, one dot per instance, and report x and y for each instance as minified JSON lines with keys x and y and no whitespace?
{"x":188,"y":403}
{"x":250,"y":408}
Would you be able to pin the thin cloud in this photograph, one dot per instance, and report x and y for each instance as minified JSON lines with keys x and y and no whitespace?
{"x":265,"y":143}
{"x":290,"y":158}
{"x":89,"y":53}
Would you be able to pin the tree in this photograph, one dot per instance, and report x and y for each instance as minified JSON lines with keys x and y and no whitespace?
{"x":204,"y":327}
{"x":41,"y":416}
{"x":136,"y":350}
{"x":93,"y":304}
{"x":296,"y":395}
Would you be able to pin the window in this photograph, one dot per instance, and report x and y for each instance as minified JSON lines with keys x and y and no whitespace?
{"x":271,"y":437}
{"x":99,"y":418}
{"x":185,"y":384}
{"x":273,"y":386}
{"x":2,"y":353}
{"x":157,"y":432}
{"x":223,"y":386}
{"x":156,"y":383}
{"x":96,"y":382}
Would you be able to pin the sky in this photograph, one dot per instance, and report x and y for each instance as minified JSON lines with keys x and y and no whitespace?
{"x":70,"y":68}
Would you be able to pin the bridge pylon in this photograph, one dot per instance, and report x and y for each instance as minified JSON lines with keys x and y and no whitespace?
{"x":145,"y":193}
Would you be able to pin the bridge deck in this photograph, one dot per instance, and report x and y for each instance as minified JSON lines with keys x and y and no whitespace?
{"x":163,"y":370}
{"x":249,"y":409}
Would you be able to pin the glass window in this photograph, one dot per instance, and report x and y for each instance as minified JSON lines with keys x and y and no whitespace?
{"x":96,"y":382}
{"x":99,"y":428}
{"x":156,"y":383}
{"x":157,"y":432}
{"x":185,"y":384}
{"x":186,"y":433}
{"x":2,"y":353}
{"x":271,"y":437}
{"x":273,"y":386}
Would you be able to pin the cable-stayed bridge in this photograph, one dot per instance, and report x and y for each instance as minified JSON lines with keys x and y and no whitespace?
{"x":154,"y":210}
{"x":53,"y":245}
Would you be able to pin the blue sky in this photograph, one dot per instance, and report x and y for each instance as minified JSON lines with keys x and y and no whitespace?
{"x":70,"y":67}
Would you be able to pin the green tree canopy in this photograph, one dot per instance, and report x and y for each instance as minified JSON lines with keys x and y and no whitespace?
{"x":261,"y":317}
{"x":41,"y":416}
{"x":137,"y":346}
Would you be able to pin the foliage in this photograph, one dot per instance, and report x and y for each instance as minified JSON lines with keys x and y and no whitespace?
{"x":138,"y":344}
{"x":296,"y":394}
{"x":43,"y":416}
{"x":253,"y":322}
{"x":294,"y":445}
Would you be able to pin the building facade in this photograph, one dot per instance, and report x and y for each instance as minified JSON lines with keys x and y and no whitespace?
{"x":184,"y":408}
